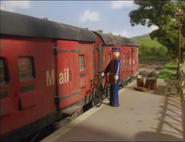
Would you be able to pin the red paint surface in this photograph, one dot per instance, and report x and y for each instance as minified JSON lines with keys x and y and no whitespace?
{"x":128,"y":67}
{"x":29,"y":99}
{"x":67,"y":90}
{"x":6,"y":106}
{"x":11,"y":49}
{"x":134,"y":59}
{"x":125,"y":62}
{"x":54,"y":75}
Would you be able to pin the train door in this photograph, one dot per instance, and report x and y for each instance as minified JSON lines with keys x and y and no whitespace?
{"x":127,"y":62}
{"x":124,"y":66}
{"x":130,"y":61}
{"x":134,"y":60}
{"x":95,"y":60}
{"x":67,"y":72}
{"x":121,"y":60}
{"x":74,"y":72}
{"x":105,"y":58}
{"x":86,"y":71}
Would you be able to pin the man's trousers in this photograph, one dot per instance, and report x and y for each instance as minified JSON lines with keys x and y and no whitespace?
{"x":114,"y":96}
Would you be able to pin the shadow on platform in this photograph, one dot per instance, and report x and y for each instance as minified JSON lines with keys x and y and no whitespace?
{"x":148,"y":136}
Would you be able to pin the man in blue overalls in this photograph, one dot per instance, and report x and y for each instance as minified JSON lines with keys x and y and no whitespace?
{"x":114,"y":69}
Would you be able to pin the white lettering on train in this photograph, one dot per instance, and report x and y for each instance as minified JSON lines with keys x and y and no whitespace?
{"x":50,"y":78}
{"x":64,"y":76}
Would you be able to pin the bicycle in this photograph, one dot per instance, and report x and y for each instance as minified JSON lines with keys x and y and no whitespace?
{"x":100,"y":91}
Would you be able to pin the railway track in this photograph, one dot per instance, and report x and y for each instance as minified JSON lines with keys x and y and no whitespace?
{"x":150,"y":68}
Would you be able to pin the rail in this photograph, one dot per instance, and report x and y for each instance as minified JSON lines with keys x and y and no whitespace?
{"x":151,"y":68}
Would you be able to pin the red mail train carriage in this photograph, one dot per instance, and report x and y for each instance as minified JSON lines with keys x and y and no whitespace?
{"x":128,"y":55}
{"x":45,"y":67}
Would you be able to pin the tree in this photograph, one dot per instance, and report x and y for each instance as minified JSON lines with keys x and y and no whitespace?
{"x":161,"y":14}
{"x":153,"y":50}
{"x":143,"y":50}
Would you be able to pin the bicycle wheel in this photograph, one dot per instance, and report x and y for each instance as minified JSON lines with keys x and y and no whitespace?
{"x":102,"y":92}
{"x":108,"y":93}
{"x":97,"y":99}
{"x":94,"y":100}
{"x":107,"y":90}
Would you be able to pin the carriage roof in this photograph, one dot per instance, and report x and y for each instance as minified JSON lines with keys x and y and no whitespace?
{"x":110,"y":39}
{"x":23,"y":25}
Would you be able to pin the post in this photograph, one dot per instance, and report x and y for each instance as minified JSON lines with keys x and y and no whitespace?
{"x":184,"y":60}
{"x":179,"y":57}
{"x":180,"y":18}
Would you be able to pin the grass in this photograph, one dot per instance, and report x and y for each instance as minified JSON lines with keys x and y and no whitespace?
{"x":169,"y":68}
{"x":147,"y":41}
{"x":151,"y":57}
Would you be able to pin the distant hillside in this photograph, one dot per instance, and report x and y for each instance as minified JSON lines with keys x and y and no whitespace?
{"x":147,"y":41}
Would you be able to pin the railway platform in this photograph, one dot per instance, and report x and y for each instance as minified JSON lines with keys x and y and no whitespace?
{"x":141,"y":116}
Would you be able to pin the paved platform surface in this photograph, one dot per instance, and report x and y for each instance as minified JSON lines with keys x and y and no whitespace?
{"x":141,"y":116}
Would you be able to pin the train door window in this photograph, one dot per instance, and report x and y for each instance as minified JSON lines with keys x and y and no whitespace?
{"x":3,"y":72}
{"x":26,"y":70}
{"x":82,"y":62}
{"x":127,"y":57}
{"x":124,"y":57}
{"x":134,"y":61}
{"x":109,"y":57}
{"x":136,"y":57}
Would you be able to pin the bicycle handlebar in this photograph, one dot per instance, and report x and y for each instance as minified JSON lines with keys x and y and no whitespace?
{"x":100,"y":77}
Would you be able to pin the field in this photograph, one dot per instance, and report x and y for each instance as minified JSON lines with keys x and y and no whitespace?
{"x":169,"y":68}
{"x":147,"y":41}
{"x":150,"y":48}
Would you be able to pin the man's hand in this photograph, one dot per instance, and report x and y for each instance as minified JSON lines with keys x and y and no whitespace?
{"x":116,"y":77}
{"x":102,"y":74}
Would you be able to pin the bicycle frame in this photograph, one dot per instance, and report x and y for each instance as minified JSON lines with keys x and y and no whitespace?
{"x":100,"y":92}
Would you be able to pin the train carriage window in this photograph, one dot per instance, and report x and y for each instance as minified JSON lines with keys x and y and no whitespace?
{"x":124,"y":57}
{"x":26,"y":70}
{"x":134,"y":61}
{"x":109,"y":57}
{"x":127,"y":57}
{"x":3,"y":72}
{"x":82,"y":62}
